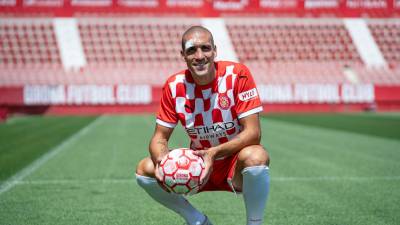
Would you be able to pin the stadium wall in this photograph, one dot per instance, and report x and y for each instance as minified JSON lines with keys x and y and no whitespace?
{"x":84,"y":99}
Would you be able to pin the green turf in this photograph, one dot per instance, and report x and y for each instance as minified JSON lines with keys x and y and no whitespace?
{"x":318,"y":176}
{"x":382,"y":125}
{"x":25,"y":139}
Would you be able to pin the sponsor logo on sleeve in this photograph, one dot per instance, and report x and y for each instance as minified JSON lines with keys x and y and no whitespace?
{"x":248,"y":95}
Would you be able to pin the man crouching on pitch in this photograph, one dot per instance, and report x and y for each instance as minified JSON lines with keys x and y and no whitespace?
{"x":218,"y":104}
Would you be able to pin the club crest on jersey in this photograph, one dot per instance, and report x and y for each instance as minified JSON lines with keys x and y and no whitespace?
{"x":247,"y":95}
{"x":224,"y":102}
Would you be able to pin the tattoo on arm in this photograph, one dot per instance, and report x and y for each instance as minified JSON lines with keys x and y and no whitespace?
{"x":163,"y":143}
{"x":238,"y":139}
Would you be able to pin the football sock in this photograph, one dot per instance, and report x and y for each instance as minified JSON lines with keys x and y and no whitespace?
{"x":175,"y":202}
{"x":255,"y":192}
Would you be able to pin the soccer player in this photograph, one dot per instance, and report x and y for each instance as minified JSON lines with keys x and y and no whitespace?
{"x":218,"y":104}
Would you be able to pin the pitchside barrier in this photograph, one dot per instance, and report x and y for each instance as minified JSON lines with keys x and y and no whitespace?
{"x":98,"y":99}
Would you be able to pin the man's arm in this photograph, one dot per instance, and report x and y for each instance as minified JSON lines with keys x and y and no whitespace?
{"x":158,"y":146}
{"x":250,"y":135}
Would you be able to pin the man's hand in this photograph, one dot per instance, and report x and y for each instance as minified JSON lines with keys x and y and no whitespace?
{"x":157,"y":172}
{"x":208,"y":157}
{"x":159,"y":147}
{"x":157,"y":158}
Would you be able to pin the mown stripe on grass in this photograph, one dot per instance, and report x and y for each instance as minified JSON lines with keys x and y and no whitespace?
{"x":274,"y":179}
{"x":380,"y":125}
{"x":12,"y":181}
{"x":30,"y":137}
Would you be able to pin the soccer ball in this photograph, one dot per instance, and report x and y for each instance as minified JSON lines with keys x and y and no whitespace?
{"x":181,"y":171}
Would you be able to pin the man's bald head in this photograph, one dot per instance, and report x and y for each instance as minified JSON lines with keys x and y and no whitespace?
{"x":193,"y":30}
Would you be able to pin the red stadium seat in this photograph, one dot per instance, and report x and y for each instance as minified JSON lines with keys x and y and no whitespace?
{"x":292,"y":40}
{"x":387,"y":35}
{"x":145,"y":51}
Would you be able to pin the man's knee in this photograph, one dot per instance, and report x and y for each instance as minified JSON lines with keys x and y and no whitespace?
{"x":145,"y":168}
{"x":254,"y":155}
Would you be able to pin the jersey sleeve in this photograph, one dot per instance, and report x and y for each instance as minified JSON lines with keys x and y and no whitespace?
{"x":247,"y":99}
{"x":167,"y":115}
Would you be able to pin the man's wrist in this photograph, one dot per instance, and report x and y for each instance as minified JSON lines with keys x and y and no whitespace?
{"x":213,"y":152}
{"x":157,"y":158}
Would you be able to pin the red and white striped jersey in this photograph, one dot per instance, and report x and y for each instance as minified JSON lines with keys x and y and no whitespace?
{"x":210,"y":113}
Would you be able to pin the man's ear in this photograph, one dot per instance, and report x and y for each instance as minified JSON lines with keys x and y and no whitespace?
{"x":183,"y":56}
{"x":215,"y":50}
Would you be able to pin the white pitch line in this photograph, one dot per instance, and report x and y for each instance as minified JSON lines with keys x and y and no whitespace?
{"x":128,"y":181}
{"x":19,"y":176}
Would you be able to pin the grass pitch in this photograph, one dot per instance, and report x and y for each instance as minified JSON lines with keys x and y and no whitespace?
{"x":325,"y":169}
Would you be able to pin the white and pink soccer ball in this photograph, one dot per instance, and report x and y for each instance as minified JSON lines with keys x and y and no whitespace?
{"x":181,"y":171}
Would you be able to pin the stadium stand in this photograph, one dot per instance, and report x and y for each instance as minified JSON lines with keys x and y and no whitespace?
{"x":28,"y":43}
{"x":29,"y":53}
{"x":387,"y":35}
{"x":145,"y":51}
{"x":262,"y":40}
{"x":136,"y":43}
{"x":131,"y":41}
{"x":292,"y":51}
{"x":382,"y":76}
{"x":128,"y":51}
{"x":297,"y":72}
{"x":134,"y":51}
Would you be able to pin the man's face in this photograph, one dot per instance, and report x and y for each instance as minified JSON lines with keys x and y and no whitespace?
{"x":199,"y":53}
